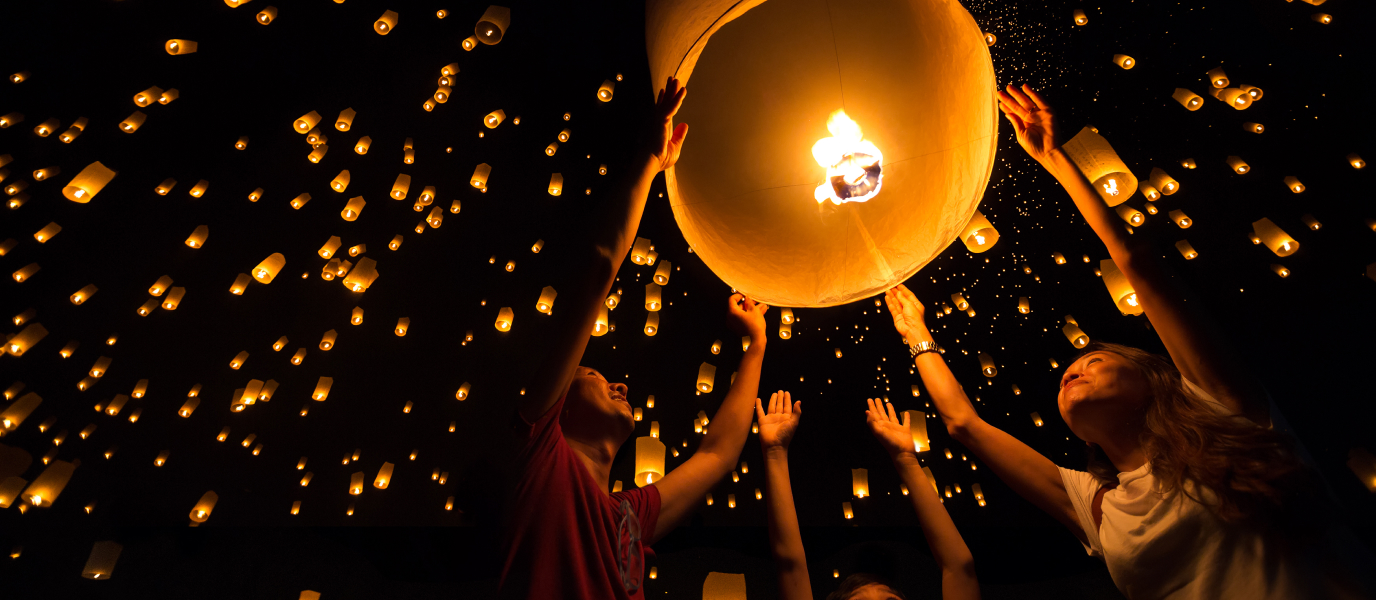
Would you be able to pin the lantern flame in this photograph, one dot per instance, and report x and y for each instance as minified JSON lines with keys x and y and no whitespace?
{"x":1111,"y":187}
{"x":853,"y":164}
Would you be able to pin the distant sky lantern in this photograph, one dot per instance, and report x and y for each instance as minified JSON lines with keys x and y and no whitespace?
{"x":403,"y":325}
{"x":504,"y":319}
{"x":860,"y":482}
{"x":401,"y":186}
{"x":1164,"y":182}
{"x":299,"y":356}
{"x":173,"y":298}
{"x":917,"y":429}
{"x":327,"y":340}
{"x":386,"y":23}
{"x":716,"y":347}
{"x":29,"y":336}
{"x":395,"y":243}
{"x":1036,"y":419}
{"x":1293,"y":184}
{"x":318,"y":153}
{"x":1218,"y":78}
{"x":353,"y":208}
{"x":1101,"y":165}
{"x":492,"y":26}
{"x":1133,"y":216}
{"x":75,"y":130}
{"x":990,"y":39}
{"x":463,"y":392}
{"x":147,"y":96}
{"x":241,"y":143}
{"x":986,"y":365}
{"x":179,"y":46}
{"x":442,"y":94}
{"x":1310,"y":222}
{"x":1253,"y":127}
{"x":1234,"y":97}
{"x":10,"y":119}
{"x":1323,"y":18}
{"x":606,"y":90}
{"x":652,"y":297}
{"x":384,"y":476}
{"x":1080,"y":18}
{"x":960,"y":302}
{"x":1190,"y":100}
{"x":341,"y":181}
{"x":47,"y":232}
{"x":480,"y":175}
{"x":188,"y":407}
{"x":363,"y":143}
{"x":1148,"y":190}
{"x":1280,"y":270}
{"x":1024,"y":305}
{"x":706,"y":377}
{"x":1356,"y":161}
{"x":639,"y":249}
{"x":255,"y":195}
{"x":201,"y":511}
{"x":25,"y":272}
{"x":551,"y":148}
{"x":663,"y":271}
{"x":89,"y":182}
{"x":266,"y":16}
{"x":268,"y":269}
{"x":602,"y":169}
{"x":494,"y":118}
{"x":307,"y":122}
{"x":1151,"y":208}
{"x":83,"y":294}
{"x":546,"y":302}
{"x":199,"y":189}
{"x":238,"y":360}
{"x":281,"y":343}
{"x":356,"y":316}
{"x":168,"y":96}
{"x":1180,"y":218}
{"x":651,"y":325}
{"x":564,"y":135}
{"x":198,"y":236}
{"x":979,"y":234}
{"x":322,"y":389}
{"x":1075,"y":336}
{"x":1186,"y":250}
{"x":1119,"y":289}
{"x":469,"y":43}
{"x":1124,"y":61}
{"x":1238,"y":166}
{"x":1188,"y":163}
{"x":1275,"y":238}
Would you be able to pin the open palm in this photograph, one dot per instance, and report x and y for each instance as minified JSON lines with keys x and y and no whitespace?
{"x":666,"y":140}
{"x":886,"y":426}
{"x":780,"y":421}
{"x":1033,"y":120}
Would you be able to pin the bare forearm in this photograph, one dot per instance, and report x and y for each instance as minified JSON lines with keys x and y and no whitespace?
{"x":730,"y":426}
{"x":1102,"y":219}
{"x":785,"y":539}
{"x":947,"y":546}
{"x":619,"y":220}
{"x":948,"y":397}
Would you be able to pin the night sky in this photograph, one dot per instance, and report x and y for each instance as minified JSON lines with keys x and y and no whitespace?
{"x":1306,"y":336}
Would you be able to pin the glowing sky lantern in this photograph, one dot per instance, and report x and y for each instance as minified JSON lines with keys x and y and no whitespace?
{"x":649,"y":460}
{"x":748,"y":170}
{"x":1101,"y":165}
{"x":1124,"y":297}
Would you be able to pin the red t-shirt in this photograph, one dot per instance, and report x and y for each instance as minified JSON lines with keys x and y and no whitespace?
{"x":565,"y":537}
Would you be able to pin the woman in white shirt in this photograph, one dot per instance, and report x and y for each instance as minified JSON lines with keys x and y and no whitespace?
{"x":1190,"y":492}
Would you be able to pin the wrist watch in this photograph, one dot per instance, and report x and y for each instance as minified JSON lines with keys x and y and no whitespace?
{"x":922,"y":347}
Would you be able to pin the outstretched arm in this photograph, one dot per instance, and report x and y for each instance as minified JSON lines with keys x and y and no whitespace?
{"x":681,"y":489}
{"x":777,"y":427}
{"x":1030,"y":474}
{"x":595,"y":262}
{"x":958,"y":580}
{"x":1194,"y":342}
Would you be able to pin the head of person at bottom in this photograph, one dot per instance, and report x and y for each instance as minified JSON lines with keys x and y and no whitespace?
{"x":866,"y":586}
{"x":595,"y":410}
{"x":1120,"y":400}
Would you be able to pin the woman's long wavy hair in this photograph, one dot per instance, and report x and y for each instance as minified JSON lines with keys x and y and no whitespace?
{"x":1244,"y":473}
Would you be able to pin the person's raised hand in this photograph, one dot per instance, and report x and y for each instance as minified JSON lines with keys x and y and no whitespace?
{"x":779,"y":422}
{"x":909,"y":315}
{"x":891,"y":432}
{"x":664,"y":139}
{"x":1033,"y":120}
{"x":747,"y":317}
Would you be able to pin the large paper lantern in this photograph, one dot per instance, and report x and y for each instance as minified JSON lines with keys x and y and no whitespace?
{"x":1101,"y":166}
{"x":906,"y":162}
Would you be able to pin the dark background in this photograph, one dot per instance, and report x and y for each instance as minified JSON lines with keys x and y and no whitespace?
{"x":1306,"y":336}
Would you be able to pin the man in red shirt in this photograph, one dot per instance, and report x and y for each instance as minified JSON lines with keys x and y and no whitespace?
{"x":567,"y":537}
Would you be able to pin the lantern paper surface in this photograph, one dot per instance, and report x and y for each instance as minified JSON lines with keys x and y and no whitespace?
{"x":749,"y":176}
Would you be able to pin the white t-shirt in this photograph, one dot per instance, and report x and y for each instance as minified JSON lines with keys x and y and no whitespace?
{"x":1158,"y":546}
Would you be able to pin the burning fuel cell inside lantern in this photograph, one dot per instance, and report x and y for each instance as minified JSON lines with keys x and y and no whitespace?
{"x":854,"y":171}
